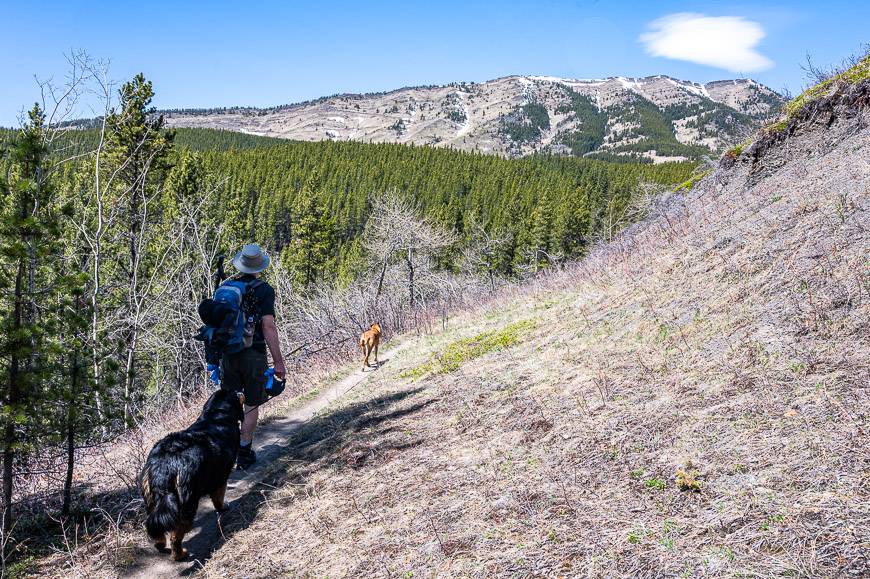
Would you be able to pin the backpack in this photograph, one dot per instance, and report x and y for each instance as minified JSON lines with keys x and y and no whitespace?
{"x":229,"y":325}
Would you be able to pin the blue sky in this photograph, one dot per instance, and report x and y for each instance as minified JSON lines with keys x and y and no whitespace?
{"x":264,"y":53}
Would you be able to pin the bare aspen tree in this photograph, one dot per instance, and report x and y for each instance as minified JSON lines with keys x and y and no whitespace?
{"x":195,"y":245}
{"x":396,"y":230}
{"x":119,"y":229}
{"x":100,"y":221}
{"x":482,"y":250}
{"x":633,"y":210}
{"x":116,"y":225}
{"x":97,"y":220}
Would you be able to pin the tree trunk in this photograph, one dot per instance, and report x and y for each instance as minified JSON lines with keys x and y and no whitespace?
{"x":11,"y":402}
{"x":94,"y":298}
{"x":129,"y":374}
{"x":71,"y":419}
{"x":381,"y":278}
{"x":132,"y":329}
{"x":8,"y":457}
{"x":95,"y":343}
{"x":309,"y":268}
{"x":410,"y":278}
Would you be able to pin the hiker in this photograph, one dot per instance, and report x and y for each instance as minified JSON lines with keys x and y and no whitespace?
{"x":246,"y":370}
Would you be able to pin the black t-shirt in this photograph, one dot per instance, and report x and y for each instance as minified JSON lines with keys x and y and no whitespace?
{"x":261,"y":302}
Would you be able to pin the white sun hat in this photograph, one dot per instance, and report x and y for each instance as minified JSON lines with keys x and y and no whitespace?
{"x":251,"y":259}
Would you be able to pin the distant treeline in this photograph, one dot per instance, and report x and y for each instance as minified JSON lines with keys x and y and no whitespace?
{"x":544,"y":205}
{"x":256,"y":111}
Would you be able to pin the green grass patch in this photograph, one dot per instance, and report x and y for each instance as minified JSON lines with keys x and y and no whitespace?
{"x":735,"y":151}
{"x":669,"y":531}
{"x":654,"y":484}
{"x":20,"y":568}
{"x":690,"y":183}
{"x":461,"y":351}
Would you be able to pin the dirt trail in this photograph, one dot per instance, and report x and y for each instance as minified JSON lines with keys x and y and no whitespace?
{"x":270,"y":442}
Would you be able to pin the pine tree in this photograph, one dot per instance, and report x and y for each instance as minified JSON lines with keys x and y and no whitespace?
{"x":309,"y":252}
{"x":572,"y":224}
{"x":33,"y":284}
{"x":73,"y":324}
{"x":536,"y":240}
{"x":138,"y":154}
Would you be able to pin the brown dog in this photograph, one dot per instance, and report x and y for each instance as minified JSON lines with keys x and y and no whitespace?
{"x":369,"y":342}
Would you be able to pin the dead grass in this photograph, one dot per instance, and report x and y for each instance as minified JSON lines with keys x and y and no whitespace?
{"x":729,"y":332}
{"x":837,"y":93}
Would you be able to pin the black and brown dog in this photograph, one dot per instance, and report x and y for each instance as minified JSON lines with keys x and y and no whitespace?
{"x":185,"y":466}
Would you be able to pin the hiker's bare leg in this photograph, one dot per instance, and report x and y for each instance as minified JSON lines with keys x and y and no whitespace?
{"x":249,"y":424}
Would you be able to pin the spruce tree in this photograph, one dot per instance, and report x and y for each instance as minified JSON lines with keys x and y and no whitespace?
{"x":138,"y":156}
{"x":312,"y":237}
{"x":33,"y":285}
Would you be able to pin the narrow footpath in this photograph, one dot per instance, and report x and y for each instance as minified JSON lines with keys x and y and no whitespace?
{"x":270,"y":442}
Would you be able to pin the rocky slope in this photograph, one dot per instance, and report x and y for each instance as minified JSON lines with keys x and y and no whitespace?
{"x":656,"y":117}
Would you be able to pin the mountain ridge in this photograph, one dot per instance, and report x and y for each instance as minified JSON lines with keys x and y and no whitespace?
{"x":654,"y":118}
{"x":552,"y":78}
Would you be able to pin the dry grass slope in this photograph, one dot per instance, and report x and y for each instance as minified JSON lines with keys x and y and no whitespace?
{"x":691,"y":400}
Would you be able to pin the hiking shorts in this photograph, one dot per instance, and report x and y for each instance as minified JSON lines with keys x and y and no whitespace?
{"x":245,"y":372}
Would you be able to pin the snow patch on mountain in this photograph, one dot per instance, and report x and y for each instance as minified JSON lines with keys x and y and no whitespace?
{"x":473,"y":116}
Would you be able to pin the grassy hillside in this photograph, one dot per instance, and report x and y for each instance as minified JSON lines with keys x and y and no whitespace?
{"x":690,"y":400}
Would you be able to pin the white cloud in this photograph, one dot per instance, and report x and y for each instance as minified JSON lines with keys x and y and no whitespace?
{"x":722,"y":41}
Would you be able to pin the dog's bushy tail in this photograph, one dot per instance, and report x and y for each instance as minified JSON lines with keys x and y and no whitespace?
{"x":164,"y":505}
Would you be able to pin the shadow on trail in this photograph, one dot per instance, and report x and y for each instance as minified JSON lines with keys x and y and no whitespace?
{"x":328,"y":439}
